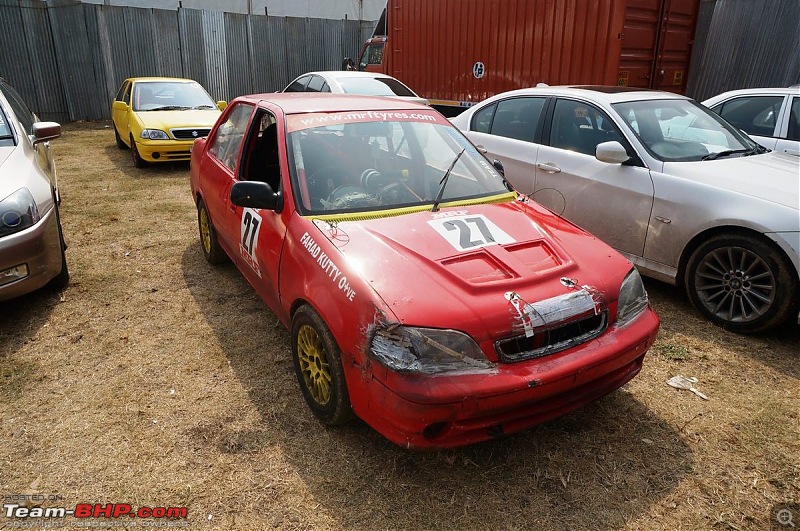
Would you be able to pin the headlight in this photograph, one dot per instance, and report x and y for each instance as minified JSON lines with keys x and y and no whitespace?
{"x":632,"y":298}
{"x":18,"y":212}
{"x":427,"y":350}
{"x":154,"y":134}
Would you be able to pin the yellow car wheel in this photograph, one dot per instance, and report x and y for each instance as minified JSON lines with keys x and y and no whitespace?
{"x":318,"y":366}
{"x":213,"y":253}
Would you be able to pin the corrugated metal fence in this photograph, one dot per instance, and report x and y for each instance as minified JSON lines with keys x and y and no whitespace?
{"x":745,"y":44}
{"x":68,"y":58}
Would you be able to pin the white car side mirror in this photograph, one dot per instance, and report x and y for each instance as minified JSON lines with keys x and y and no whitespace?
{"x":611,"y":152}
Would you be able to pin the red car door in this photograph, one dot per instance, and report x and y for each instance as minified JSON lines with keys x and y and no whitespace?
{"x":259,"y":233}
{"x":218,"y":169}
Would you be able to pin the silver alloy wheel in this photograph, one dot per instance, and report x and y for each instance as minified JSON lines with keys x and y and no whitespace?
{"x":735,"y":284}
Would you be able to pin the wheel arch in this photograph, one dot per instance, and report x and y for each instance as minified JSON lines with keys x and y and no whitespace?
{"x":731,"y":230}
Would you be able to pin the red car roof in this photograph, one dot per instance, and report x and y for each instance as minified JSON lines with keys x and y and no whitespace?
{"x":298,"y":103}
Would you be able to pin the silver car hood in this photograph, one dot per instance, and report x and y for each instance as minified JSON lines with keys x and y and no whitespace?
{"x":773,"y":177}
{"x":9,"y":182}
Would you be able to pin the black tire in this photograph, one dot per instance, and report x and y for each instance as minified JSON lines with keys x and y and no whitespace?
{"x":742,"y":283}
{"x":137,"y":159}
{"x":318,"y":366}
{"x":61,"y":280}
{"x":212,"y":251}
{"x":120,"y":143}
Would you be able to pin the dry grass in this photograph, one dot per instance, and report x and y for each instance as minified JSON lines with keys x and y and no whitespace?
{"x":155,"y":379}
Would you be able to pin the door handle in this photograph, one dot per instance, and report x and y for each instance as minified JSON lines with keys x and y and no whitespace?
{"x":549,"y":167}
{"x":482,"y":149}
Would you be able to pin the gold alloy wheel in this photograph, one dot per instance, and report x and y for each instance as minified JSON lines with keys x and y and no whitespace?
{"x":205,"y":231}
{"x":314,"y":364}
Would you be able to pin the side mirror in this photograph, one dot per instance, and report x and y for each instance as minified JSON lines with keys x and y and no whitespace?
{"x":611,"y":152}
{"x":44,"y":131}
{"x":222,"y":105}
{"x":255,"y":194}
{"x":499,"y":167}
{"x":119,"y":106}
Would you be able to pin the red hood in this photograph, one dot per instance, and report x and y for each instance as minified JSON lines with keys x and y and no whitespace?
{"x":426,"y":280}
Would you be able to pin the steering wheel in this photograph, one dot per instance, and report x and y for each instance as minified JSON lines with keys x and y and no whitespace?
{"x":348,"y":196}
{"x":318,"y":181}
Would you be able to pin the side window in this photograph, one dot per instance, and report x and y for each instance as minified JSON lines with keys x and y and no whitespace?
{"x":225,"y":145}
{"x":753,"y":114}
{"x":325,"y":88}
{"x":298,"y":85}
{"x":315,"y":84}
{"x":263,"y":163}
{"x":127,"y":96}
{"x":373,"y":55}
{"x":122,"y":90}
{"x":482,"y":120}
{"x":794,"y":120}
{"x":517,"y":118}
{"x":579,"y":127}
{"x":20,"y":109}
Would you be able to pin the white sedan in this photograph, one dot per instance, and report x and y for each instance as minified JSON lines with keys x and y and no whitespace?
{"x":771,"y":116}
{"x":354,"y":82}
{"x":683,"y":194}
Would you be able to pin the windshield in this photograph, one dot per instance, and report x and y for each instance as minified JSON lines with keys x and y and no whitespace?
{"x":682,"y":130}
{"x":355,"y":163}
{"x":374,"y":86}
{"x":170,"y":95}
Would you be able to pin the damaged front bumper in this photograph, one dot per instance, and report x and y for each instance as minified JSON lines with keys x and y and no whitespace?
{"x":443,"y":410}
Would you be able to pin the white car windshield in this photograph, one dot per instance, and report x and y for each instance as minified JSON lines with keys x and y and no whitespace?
{"x":369,"y":165}
{"x":170,"y":96}
{"x":682,"y":130}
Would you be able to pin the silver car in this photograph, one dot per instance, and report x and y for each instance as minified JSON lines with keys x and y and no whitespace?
{"x":31,"y":240}
{"x":679,"y":191}
{"x":771,"y":116}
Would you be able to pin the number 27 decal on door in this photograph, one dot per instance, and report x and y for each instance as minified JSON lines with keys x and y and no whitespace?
{"x":470,"y":232}
{"x":248,"y":238}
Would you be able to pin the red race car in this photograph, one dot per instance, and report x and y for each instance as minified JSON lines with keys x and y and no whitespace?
{"x":423,"y":294}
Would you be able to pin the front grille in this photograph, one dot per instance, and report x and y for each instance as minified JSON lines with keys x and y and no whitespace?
{"x":552,"y":339}
{"x":189,"y":133}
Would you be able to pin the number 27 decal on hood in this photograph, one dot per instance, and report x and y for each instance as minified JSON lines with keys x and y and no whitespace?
{"x":470,"y":232}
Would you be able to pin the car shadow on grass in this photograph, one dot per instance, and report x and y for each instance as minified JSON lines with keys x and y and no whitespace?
{"x":21,"y":319}
{"x":121,"y":159}
{"x":596,"y":468}
{"x":682,"y":324}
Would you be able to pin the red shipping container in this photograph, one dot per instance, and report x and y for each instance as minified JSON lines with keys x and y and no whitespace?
{"x":459,"y":52}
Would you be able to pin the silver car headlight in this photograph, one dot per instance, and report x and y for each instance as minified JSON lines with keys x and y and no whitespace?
{"x":18,"y":212}
{"x":154,"y":134}
{"x":632,"y":298}
{"x":427,"y":350}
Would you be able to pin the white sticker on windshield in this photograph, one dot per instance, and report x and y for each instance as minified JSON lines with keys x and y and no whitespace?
{"x":470,"y":232}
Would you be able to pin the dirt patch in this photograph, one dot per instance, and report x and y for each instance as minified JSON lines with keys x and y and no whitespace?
{"x":158,"y":380}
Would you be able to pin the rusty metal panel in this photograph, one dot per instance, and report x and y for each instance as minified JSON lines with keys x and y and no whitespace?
{"x":215,"y":54}
{"x":193,"y":57}
{"x":268,"y":53}
{"x":84,"y":92}
{"x":736,"y":55}
{"x":237,"y":49}
{"x":657,"y":44}
{"x":295,"y":43}
{"x":33,"y":69}
{"x":166,"y":29}
{"x":475,"y":48}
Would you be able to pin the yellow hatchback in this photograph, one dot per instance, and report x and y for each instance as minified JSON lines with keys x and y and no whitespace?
{"x":159,"y":118}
